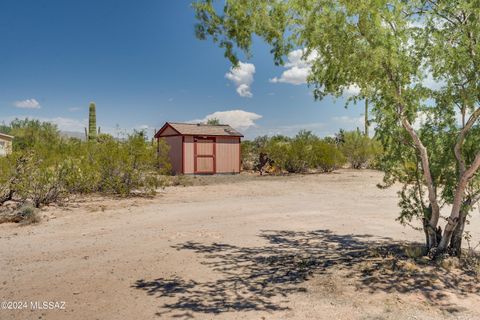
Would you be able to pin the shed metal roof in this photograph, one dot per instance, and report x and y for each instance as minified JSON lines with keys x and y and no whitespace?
{"x":200,"y":129}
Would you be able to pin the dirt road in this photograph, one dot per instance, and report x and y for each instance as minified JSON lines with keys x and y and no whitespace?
{"x":260,"y":248}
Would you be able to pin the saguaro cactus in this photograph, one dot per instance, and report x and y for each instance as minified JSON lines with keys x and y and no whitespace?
{"x":92,"y":122}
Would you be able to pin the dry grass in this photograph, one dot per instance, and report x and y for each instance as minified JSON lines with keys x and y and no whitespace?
{"x":24,"y":214}
{"x":470,"y":261}
{"x":180,"y":180}
{"x":29,"y":215}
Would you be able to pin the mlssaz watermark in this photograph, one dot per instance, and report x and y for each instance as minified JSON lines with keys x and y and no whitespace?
{"x":33,"y":305}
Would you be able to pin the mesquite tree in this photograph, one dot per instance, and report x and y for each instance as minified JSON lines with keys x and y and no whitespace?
{"x":391,"y":50}
{"x":454,"y":27}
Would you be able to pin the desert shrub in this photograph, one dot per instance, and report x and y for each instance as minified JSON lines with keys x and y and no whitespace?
{"x":470,"y":257}
{"x":293,"y":155}
{"x":254,"y":154}
{"x":280,"y":152}
{"x":359,"y":149}
{"x":30,"y":134}
{"x":299,"y":154}
{"x":43,"y":184}
{"x":23,"y":214}
{"x":14,"y":175}
{"x":471,"y":261}
{"x":326,"y":157}
{"x":42,"y":171}
{"x":303,"y":152}
{"x":249,"y":154}
{"x":5,"y":176}
{"x":163,"y":160}
{"x":28,"y":214}
{"x":117,"y":167}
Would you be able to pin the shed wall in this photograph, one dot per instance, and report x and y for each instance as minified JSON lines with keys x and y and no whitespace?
{"x":188,"y":148}
{"x":169,"y":132}
{"x":228,"y":154}
{"x":175,"y":152}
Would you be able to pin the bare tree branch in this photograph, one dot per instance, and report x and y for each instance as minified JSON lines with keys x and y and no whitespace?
{"x":473,"y":168}
{"x":460,"y":139}
{"x":432,"y":194}
{"x":458,"y":201}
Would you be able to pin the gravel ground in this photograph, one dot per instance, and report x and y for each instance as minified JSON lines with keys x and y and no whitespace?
{"x":231,"y":247}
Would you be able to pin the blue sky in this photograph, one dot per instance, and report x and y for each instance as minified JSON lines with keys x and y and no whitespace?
{"x":142,"y":65}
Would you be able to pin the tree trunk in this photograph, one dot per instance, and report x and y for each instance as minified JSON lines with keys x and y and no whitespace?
{"x":458,"y":204}
{"x":366,"y":117}
{"x":432,"y":233}
{"x":425,"y":230}
{"x":456,"y":222}
{"x":455,"y":247}
{"x":434,"y":208}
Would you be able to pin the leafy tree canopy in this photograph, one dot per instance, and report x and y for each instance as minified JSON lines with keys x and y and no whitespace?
{"x":391,"y":50}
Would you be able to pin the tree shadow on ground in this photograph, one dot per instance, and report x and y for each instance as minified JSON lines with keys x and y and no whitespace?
{"x":261,"y":278}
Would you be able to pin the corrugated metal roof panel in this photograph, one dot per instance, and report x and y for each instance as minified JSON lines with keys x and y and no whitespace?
{"x":202,"y":129}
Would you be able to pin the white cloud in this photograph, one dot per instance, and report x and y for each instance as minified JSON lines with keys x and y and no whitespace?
{"x":295,"y":75}
{"x":351,"y":90}
{"x":73,"y":109}
{"x":349,"y":120}
{"x":67,"y":124}
{"x":27,"y":104}
{"x":432,"y":83}
{"x":238,"y":119}
{"x":299,"y":68}
{"x":242,"y":77}
{"x":243,"y":90}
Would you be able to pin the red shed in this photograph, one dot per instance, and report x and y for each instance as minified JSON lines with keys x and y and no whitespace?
{"x":202,"y":148}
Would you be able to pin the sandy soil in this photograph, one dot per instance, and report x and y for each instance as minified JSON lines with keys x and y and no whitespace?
{"x":300,"y":247}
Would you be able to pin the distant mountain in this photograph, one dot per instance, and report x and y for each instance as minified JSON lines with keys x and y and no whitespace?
{"x":73,"y":134}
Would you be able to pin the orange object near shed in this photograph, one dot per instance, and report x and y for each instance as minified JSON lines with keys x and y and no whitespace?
{"x":202,"y":148}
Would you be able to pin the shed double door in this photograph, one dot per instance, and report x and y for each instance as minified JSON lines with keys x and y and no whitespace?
{"x":204,"y":155}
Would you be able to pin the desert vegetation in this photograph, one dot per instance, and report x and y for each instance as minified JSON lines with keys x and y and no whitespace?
{"x":306,"y":152}
{"x":46,"y":167}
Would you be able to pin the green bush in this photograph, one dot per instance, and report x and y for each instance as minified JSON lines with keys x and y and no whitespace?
{"x":249,"y":154}
{"x":327,"y":157}
{"x":254,"y":156}
{"x":299,"y":154}
{"x":44,"y":170}
{"x":360,"y":150}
